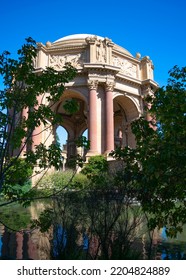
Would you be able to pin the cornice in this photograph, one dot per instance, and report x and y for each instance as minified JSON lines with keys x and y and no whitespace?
{"x":63,"y":49}
{"x":101,"y":67}
{"x":154,"y":86}
{"x":150,"y":81}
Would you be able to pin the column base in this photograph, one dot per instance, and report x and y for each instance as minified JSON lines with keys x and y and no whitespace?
{"x":107,"y":154}
{"x":90,"y":154}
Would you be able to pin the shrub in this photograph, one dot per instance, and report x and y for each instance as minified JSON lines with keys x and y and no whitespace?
{"x":80,"y":181}
{"x":95,"y":166}
{"x":56,"y":179}
{"x":59,"y":180}
{"x":17,"y":177}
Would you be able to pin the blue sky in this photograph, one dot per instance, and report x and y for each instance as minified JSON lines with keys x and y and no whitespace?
{"x":154,"y":28}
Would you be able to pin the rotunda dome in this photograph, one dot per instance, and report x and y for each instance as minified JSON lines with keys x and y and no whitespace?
{"x":80,"y":39}
{"x":77,"y":36}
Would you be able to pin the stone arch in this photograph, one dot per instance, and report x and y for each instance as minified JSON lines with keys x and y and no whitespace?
{"x":74,"y":123}
{"x":125,"y":111}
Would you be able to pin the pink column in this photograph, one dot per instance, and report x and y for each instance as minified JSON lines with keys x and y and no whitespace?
{"x":92,"y":131}
{"x":37,"y":133}
{"x":109,"y":112}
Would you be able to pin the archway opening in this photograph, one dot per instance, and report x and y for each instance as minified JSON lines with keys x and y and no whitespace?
{"x":74,"y":122}
{"x":61,"y":137}
{"x":125,"y":111}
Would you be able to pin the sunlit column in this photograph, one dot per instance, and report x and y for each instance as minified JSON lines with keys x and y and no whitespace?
{"x":37,"y":132}
{"x":109,"y":115}
{"x":92,"y":131}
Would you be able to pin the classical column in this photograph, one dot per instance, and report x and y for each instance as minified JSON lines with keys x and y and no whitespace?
{"x":37,"y":132}
{"x":109,"y":115}
{"x":92,"y":131}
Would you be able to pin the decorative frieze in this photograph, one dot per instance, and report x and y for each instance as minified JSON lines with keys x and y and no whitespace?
{"x":58,"y":61}
{"x":127,"y":67}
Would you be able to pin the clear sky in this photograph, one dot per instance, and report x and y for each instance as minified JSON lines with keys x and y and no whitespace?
{"x":156,"y":28}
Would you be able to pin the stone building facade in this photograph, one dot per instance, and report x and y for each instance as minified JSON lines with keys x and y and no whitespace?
{"x":109,"y":87}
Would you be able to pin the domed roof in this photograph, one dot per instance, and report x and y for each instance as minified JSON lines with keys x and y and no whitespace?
{"x":77,"y":36}
{"x":79,"y":39}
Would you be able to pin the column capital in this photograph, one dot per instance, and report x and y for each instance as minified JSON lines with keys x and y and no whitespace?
{"x":93,"y":84}
{"x":109,"y":86}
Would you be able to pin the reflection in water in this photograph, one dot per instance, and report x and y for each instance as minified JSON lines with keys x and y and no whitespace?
{"x":17,"y":245}
{"x":1,"y":237}
{"x":85,"y":242}
{"x":172,"y":249}
{"x":24,"y":245}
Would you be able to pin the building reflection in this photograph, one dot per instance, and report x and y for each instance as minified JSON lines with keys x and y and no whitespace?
{"x":35,"y":245}
{"x":24,"y":245}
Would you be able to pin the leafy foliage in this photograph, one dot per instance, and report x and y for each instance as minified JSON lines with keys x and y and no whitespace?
{"x":25,"y":88}
{"x":82,"y":141}
{"x":157,"y":167}
{"x":19,"y":172}
{"x":95,"y":165}
{"x":60,"y":181}
{"x":45,"y":220}
{"x":17,"y":182}
{"x":71,"y":106}
{"x":97,"y":171}
{"x":87,"y":225}
{"x":15,"y":218}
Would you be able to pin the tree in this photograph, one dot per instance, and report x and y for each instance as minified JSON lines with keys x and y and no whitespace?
{"x":157,"y":166}
{"x":25,"y":87}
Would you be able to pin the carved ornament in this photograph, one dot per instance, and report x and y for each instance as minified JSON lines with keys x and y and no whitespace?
{"x":128,"y":68}
{"x":58,"y":61}
{"x":147,"y":90}
{"x":92,"y":84}
{"x":109,"y":86}
{"x":101,"y":52}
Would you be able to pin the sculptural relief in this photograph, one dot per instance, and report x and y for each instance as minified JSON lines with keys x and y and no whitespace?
{"x":127,"y":67}
{"x":58,"y":61}
{"x":100,"y":52}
